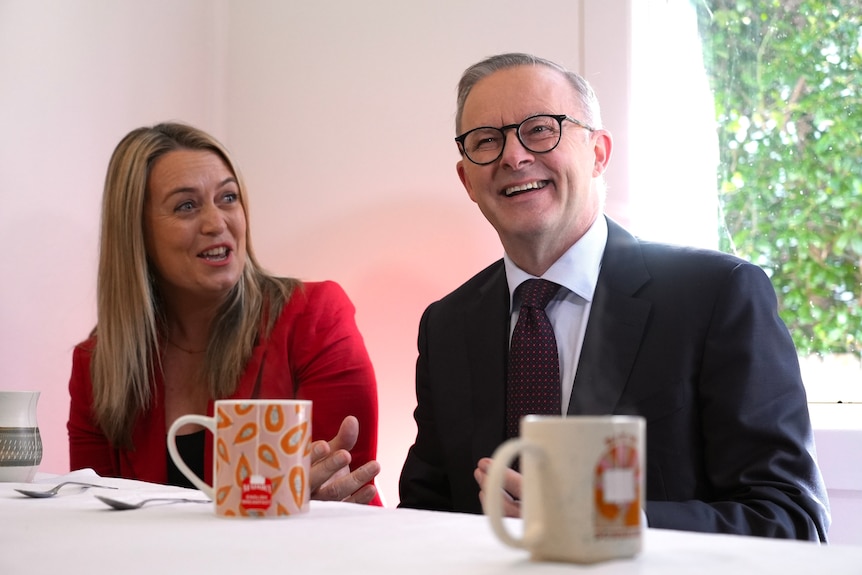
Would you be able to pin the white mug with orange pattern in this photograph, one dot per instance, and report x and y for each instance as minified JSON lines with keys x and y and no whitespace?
{"x":583,"y":487}
{"x":261,"y":457}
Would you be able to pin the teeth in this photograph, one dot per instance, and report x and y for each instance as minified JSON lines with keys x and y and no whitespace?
{"x":215,"y":253}
{"x":523,"y":188}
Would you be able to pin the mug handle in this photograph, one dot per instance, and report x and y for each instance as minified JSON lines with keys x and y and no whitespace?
{"x":500,"y":462}
{"x":209,"y":423}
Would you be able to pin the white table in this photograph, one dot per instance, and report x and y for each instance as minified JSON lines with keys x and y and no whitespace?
{"x":75,"y":533}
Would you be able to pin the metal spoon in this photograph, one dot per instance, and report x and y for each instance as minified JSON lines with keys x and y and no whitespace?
{"x":123,"y":505}
{"x":56,"y":489}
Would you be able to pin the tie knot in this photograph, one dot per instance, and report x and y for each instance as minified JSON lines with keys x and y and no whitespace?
{"x":537,"y":293}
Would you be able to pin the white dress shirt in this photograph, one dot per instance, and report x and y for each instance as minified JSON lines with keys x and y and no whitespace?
{"x":577,"y":271}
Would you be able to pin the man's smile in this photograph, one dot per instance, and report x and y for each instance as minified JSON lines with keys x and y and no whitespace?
{"x":521,"y":188}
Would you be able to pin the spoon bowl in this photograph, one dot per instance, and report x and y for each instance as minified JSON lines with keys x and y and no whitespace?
{"x":124,"y":505}
{"x":56,"y":489}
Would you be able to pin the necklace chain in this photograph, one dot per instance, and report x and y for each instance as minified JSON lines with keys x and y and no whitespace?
{"x":181,"y":348}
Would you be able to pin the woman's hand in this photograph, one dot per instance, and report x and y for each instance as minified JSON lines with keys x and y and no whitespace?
{"x":331,"y":478}
{"x":511,"y":488}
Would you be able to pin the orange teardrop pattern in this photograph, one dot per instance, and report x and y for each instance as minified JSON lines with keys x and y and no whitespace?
{"x":267,"y":455}
{"x":243,"y":408}
{"x":222,"y":450}
{"x":246,"y":433}
{"x":223,"y":419}
{"x":273,"y":418}
{"x":276,"y":483}
{"x":296,"y":480}
{"x":243,"y":470}
{"x":251,"y":512}
{"x":222,"y":494}
{"x":253,"y":439}
{"x":292,"y":441}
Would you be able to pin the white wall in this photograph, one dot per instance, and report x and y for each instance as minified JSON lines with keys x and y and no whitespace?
{"x":340,"y":114}
{"x":75,"y":76}
{"x":838,"y":435}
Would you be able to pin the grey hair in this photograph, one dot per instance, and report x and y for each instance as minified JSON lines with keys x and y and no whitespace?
{"x":472,"y":75}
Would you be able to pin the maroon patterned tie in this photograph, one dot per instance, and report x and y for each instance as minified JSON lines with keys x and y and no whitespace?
{"x":533,"y":385}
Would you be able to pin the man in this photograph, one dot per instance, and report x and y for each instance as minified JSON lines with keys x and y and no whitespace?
{"x":689,"y":339}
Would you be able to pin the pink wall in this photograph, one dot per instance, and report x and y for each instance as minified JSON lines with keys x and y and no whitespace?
{"x":343,"y":121}
{"x":74,"y":78}
{"x":341,"y":117}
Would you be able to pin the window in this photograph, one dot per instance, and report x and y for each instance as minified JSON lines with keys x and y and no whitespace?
{"x":765,"y":95}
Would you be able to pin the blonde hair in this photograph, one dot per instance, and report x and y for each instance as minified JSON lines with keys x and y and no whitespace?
{"x":130,"y":314}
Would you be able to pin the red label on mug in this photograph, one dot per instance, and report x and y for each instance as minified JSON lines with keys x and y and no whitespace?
{"x":256,"y":492}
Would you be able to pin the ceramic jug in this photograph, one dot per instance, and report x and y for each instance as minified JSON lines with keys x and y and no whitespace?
{"x":20,"y":442}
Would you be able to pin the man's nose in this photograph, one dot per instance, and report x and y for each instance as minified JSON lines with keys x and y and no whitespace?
{"x":514,"y":153}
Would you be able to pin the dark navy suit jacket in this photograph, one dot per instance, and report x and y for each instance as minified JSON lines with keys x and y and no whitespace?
{"x":689,"y":339}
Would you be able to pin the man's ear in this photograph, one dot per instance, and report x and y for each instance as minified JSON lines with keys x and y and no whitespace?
{"x":603,"y":147}
{"x":462,"y":175}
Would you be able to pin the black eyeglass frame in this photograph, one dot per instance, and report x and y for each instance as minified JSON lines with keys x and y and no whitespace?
{"x":517,"y":127}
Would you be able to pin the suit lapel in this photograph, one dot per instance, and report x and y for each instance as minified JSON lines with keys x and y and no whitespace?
{"x":614,"y":329}
{"x":486,"y":326}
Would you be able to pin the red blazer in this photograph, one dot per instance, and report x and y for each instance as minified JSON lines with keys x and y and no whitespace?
{"x":315,"y":351}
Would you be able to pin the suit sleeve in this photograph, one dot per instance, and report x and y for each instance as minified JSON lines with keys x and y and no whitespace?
{"x":756,"y":432}
{"x":424,"y":483}
{"x":332,"y":368}
{"x":88,"y":446}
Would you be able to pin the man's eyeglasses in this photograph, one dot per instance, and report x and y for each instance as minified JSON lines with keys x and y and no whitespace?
{"x":538,"y":134}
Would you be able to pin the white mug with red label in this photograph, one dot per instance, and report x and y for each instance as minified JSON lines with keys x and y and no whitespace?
{"x":582,"y":491}
{"x":261,"y":457}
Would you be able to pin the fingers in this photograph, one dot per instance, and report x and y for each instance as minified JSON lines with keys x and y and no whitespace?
{"x":357,"y":484}
{"x":328,"y":457}
{"x":327,"y":466}
{"x":347,"y":434}
{"x":511,"y":508}
{"x":319,"y":450}
{"x":350,"y":486}
{"x":512,"y":483}
{"x":364,"y":496}
{"x":511,"y":478}
{"x":479,"y":474}
{"x":511,"y":493}
{"x":331,"y":478}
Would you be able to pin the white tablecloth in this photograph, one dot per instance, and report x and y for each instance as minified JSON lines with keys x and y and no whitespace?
{"x":75,"y":533}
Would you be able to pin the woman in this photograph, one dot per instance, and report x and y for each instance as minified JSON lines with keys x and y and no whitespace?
{"x":186,"y":315}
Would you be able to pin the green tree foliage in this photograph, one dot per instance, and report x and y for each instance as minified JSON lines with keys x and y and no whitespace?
{"x":787,"y":80}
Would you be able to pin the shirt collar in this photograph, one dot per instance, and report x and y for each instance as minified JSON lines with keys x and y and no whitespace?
{"x":577,"y":269}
